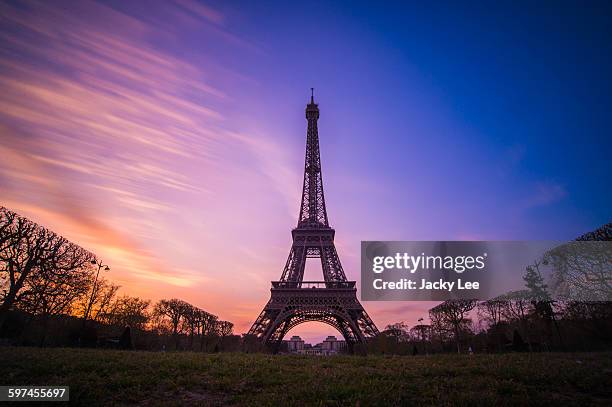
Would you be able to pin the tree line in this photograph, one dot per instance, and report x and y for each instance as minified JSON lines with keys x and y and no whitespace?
{"x":502,"y":325}
{"x":572,"y":311}
{"x":52,"y":293}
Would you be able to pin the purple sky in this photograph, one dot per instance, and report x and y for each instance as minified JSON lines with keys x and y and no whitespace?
{"x":168,"y":137}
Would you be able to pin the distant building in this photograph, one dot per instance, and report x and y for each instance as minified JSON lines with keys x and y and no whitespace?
{"x":313,"y":350}
{"x":332,"y":345}
{"x":295,"y":344}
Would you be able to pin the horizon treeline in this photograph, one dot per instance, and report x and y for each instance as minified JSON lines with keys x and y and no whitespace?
{"x":53,"y":293}
{"x":578,"y":317}
{"x":502,"y":325}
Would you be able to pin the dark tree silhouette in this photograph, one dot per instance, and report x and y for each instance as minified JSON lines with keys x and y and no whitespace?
{"x":191,"y":317}
{"x":452,"y":314}
{"x":127,"y":311}
{"x":174,"y":310}
{"x":101,"y":294}
{"x":225,"y":328}
{"x":45,"y":278}
{"x":397,"y":331}
{"x":492,"y":311}
{"x":421,"y":333}
{"x":206,"y":326}
{"x":54,"y":289}
{"x":35,"y":262}
{"x":602,"y":234}
{"x":519,"y":306}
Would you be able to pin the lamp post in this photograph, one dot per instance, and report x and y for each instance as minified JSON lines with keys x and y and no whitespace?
{"x":94,"y":289}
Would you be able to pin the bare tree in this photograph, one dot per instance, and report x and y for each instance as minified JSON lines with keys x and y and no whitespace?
{"x":491,"y":314}
{"x":54,"y":289}
{"x":518,"y":305}
{"x":127,"y":311}
{"x":421,"y":333}
{"x":398,"y":331}
{"x":452,"y":314}
{"x":174,"y":310}
{"x":100,"y":291}
{"x":582,"y":271}
{"x":191,"y":319}
{"x":492,"y":311}
{"x":543,"y":304}
{"x":7,"y":229}
{"x":224,"y":329}
{"x":21,"y":252}
{"x":100,"y":295}
{"x":27,"y":249}
{"x":207,"y":324}
{"x":602,"y":234}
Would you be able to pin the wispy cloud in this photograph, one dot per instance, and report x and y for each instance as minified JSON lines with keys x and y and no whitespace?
{"x":106,"y":136}
{"x":544,"y":194}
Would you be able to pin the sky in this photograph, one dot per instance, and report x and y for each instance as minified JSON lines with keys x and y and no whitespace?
{"x":168,"y":137}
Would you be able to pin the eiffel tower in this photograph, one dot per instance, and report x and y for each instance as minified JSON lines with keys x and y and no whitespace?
{"x":294,"y":301}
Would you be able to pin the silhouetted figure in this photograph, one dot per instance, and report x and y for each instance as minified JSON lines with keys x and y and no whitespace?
{"x":125,"y":340}
{"x":415,"y":351}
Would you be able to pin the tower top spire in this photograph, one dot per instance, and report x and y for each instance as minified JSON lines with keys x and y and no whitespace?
{"x":312,"y":109}
{"x":312,"y":209}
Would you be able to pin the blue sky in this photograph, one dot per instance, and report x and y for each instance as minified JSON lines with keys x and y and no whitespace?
{"x":491,"y":117}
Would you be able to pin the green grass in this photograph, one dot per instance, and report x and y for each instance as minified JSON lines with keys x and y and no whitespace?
{"x":107,"y":377}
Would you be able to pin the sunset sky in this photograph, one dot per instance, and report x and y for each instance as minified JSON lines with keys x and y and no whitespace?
{"x":168,"y":137}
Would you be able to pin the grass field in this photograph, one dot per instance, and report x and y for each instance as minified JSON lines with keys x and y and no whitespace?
{"x":99,"y":377}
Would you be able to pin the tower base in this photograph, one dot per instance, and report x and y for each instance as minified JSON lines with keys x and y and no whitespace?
{"x":294,"y":303}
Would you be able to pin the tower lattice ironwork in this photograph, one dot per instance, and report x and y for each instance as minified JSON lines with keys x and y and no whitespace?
{"x":294,"y":301}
